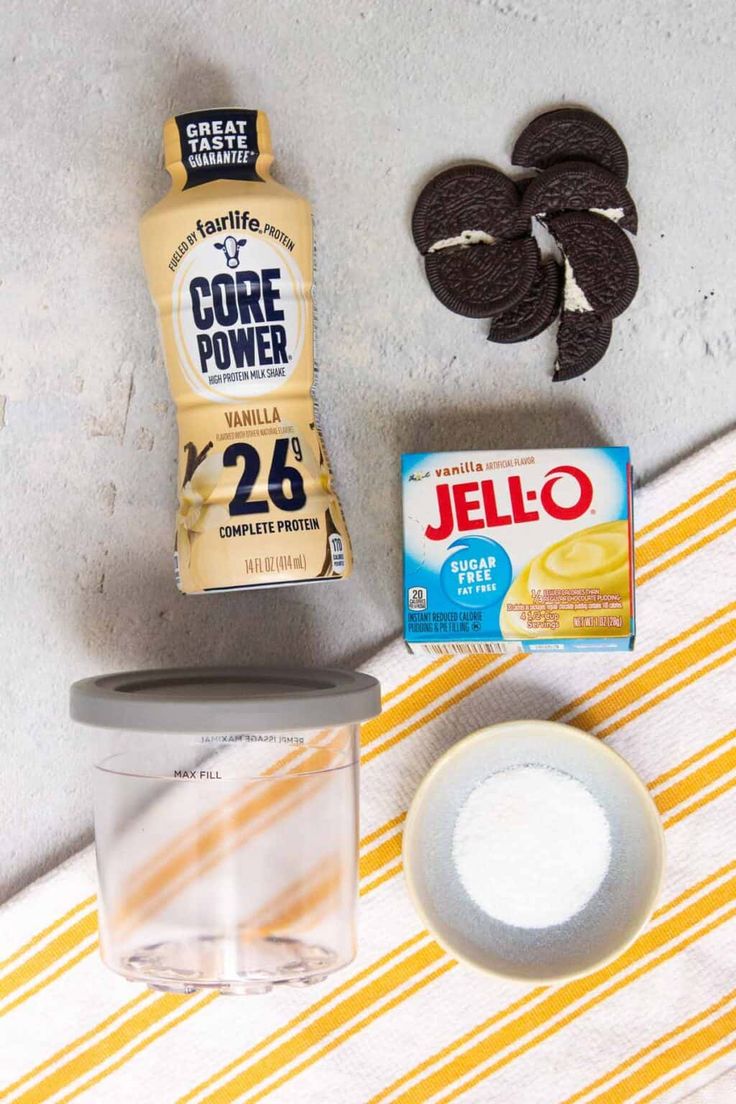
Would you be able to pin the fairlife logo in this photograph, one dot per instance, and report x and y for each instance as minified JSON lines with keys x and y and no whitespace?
{"x":231,"y":247}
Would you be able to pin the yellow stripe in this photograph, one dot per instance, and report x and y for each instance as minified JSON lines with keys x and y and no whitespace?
{"x":684,"y":1050}
{"x":561,"y":998}
{"x":704,"y":800}
{"x":116,"y":1065}
{"x":683,"y":1076}
{"x":409,"y":706}
{"x":681,"y":1029}
{"x":502,"y":1014}
{"x":658,"y":937}
{"x":214,"y":835}
{"x":678,"y":900}
{"x":375,"y":990}
{"x":189,"y":1010}
{"x":59,"y":972}
{"x":485,"y":677}
{"x":689,"y":527}
{"x":679,"y":791}
{"x":435,"y":665}
{"x":199,"y":829}
{"x":532,"y":997}
{"x":693,"y":890}
{"x":672,"y":664}
{"x":707,"y":750}
{"x":685,"y":552}
{"x":659,"y":698}
{"x":378,"y":832}
{"x":300,"y":905}
{"x":421,"y":674}
{"x":339,"y":1039}
{"x":99,"y":1051}
{"x":664,"y":518}
{"x":427,"y":1088}
{"x":641,"y":661}
{"x":385,"y":852}
{"x":386,"y":876}
{"x":86,"y":903}
{"x":162,"y":1009}
{"x":461,"y":1041}
{"x":243,"y":1082}
{"x":228,"y":842}
{"x":59,"y":946}
{"x":351,"y":983}
{"x":218,"y":841}
{"x":217,"y":827}
{"x":147,"y":996}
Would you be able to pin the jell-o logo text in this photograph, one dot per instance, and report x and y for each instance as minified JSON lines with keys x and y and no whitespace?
{"x":489,"y":503}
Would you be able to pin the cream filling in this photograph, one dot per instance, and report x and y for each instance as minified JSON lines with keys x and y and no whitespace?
{"x":467,"y":237}
{"x":615,"y":214}
{"x":575,"y":298}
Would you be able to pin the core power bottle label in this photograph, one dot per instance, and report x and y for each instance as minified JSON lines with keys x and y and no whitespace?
{"x":229,"y":267}
{"x":240,"y":309}
{"x":218,"y":143}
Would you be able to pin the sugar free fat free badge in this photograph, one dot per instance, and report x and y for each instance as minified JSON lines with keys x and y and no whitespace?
{"x":477,"y":573}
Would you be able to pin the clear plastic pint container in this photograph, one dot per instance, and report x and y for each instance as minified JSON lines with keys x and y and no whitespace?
{"x":226,"y":823}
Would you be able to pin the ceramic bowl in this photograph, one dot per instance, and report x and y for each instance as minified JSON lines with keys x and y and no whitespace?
{"x":614,"y":915}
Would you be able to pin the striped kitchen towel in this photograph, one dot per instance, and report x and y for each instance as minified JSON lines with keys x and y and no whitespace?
{"x":406,"y":1024}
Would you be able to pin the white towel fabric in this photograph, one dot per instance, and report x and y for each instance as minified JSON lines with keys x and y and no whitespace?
{"x":405,"y":1023}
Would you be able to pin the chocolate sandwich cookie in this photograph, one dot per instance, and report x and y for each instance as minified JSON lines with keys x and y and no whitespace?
{"x":522,"y":183}
{"x":582,"y":339}
{"x":579,"y":186}
{"x":571,"y":134}
{"x":479,"y":281}
{"x":601,"y":270}
{"x":535,"y":312}
{"x":465,"y":204}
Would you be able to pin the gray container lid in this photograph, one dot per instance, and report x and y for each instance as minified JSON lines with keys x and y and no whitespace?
{"x":225,"y":699}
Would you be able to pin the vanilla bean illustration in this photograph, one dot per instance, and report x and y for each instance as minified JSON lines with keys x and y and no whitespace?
{"x":194,"y":459}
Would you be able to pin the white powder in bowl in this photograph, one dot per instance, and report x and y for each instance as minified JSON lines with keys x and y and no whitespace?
{"x":531,"y":846}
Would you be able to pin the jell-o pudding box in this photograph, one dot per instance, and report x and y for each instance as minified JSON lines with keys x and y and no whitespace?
{"x":509,"y":551}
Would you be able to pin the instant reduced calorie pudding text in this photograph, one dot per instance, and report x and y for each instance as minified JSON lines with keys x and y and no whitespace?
{"x":511,"y":551}
{"x":228,"y":254}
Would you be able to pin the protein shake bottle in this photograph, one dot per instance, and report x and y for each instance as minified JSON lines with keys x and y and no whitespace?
{"x":228,"y":255}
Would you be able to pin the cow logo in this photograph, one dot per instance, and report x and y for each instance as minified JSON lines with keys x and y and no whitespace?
{"x":231,"y":247}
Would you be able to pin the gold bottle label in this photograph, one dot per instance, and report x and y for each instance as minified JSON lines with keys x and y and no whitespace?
{"x":228,"y":255}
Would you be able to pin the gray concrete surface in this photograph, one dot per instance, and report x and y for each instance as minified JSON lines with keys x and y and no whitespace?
{"x":365,"y":101}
